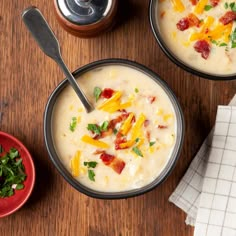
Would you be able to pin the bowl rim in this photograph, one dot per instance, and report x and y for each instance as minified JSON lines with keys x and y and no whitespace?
{"x":65,"y":173}
{"x":174,"y":58}
{"x":32,"y":182}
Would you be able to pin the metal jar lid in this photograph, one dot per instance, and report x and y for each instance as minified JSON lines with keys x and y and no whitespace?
{"x":86,"y":18}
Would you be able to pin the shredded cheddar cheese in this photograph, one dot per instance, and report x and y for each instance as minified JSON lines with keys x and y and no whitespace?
{"x":75,"y":164}
{"x":127,"y":144}
{"x":137,"y":126}
{"x":199,"y":8}
{"x":97,"y":143}
{"x":178,"y":5}
{"x":127,"y":124}
{"x":111,"y":100}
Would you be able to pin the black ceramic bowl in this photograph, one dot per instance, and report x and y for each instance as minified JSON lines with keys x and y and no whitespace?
{"x":153,"y":9}
{"x":67,"y":175}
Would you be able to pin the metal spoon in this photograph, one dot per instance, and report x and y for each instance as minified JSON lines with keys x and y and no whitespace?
{"x":47,"y":41}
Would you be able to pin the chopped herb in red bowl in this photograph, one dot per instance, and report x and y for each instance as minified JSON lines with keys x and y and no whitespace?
{"x":17,"y":174}
{"x":12,"y":172}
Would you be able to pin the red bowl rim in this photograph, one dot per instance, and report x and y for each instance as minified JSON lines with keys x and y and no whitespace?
{"x":32,"y":182}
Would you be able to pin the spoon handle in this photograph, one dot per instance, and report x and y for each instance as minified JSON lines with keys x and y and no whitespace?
{"x":47,"y":41}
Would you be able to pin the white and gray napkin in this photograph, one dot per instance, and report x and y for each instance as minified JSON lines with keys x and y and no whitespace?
{"x":207,"y":192}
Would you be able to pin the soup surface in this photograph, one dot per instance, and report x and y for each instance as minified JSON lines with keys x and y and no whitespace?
{"x":201,"y":33}
{"x":126,"y":141}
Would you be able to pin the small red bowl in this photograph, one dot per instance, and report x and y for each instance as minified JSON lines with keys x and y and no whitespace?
{"x":11,"y":204}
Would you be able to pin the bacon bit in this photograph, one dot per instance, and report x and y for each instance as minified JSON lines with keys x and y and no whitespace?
{"x":228,"y":17}
{"x":119,"y":139}
{"x":203,"y":47}
{"x":151,"y":99}
{"x":183,"y":24}
{"x":118,"y":165}
{"x":146,"y":123}
{"x":193,"y":20}
{"x":214,"y":3}
{"x":148,"y":135}
{"x":98,"y":152}
{"x":107,"y":93}
{"x":117,"y":120}
{"x":107,"y":158}
{"x":162,"y":126}
{"x":106,"y":133}
{"x":163,"y":14}
{"x":194,"y":2}
{"x":187,"y":22}
{"x":115,"y":163}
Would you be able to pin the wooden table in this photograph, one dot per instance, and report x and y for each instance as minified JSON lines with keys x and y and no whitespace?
{"x":27,"y":79}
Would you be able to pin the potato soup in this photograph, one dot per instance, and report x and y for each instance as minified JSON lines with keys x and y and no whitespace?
{"x":126,"y":141}
{"x":201,"y":33}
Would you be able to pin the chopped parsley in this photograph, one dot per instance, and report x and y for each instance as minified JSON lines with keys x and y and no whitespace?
{"x":136,"y":90}
{"x":137,"y":140}
{"x":91,"y":175}
{"x":73,"y":124}
{"x":12,"y":172}
{"x":226,"y":5}
{"x":219,"y":43}
{"x":232,"y":6}
{"x":91,"y":164}
{"x":151,"y":144}
{"x":94,"y":128}
{"x":207,"y":7}
{"x":97,"y":93}
{"x":222,"y":44}
{"x":98,"y":129}
{"x":137,"y":151}
{"x":233,"y":39}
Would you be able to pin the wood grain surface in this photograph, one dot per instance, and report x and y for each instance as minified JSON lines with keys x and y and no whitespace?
{"x":27,"y":79}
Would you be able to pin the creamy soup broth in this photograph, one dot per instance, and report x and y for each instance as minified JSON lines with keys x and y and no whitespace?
{"x":219,"y":37}
{"x":149,"y":146}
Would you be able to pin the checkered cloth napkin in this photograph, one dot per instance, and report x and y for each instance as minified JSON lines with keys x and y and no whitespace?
{"x":207,"y":192}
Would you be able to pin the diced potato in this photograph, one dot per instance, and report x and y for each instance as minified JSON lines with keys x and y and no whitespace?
{"x":159,"y":111}
{"x":169,"y":140}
